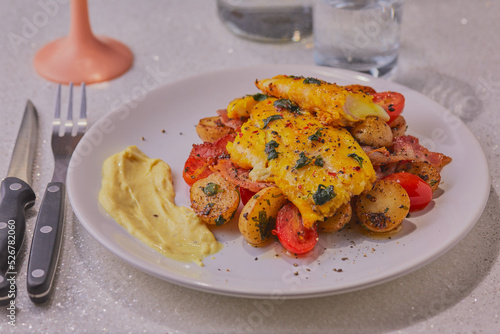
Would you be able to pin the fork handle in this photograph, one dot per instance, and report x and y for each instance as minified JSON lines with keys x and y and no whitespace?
{"x":46,"y":243}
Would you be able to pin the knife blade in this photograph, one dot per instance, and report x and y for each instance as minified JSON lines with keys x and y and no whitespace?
{"x":16,"y":196}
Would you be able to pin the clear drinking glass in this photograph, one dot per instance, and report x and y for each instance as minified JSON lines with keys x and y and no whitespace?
{"x":267,"y":20}
{"x":360,"y":35}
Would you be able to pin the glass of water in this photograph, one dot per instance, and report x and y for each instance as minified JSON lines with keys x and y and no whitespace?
{"x":359,"y":35}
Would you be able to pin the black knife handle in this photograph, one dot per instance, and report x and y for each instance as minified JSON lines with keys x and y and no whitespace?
{"x":46,"y":243}
{"x":15,"y":197}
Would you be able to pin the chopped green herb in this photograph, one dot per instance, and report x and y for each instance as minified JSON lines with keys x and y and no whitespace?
{"x":316,"y":136}
{"x":319,"y":161}
{"x":220,"y":221}
{"x":286,"y":104}
{"x":270,"y":119}
{"x":357,"y":158}
{"x":323,"y":194}
{"x":259,"y":97}
{"x":265,"y":224}
{"x":207,"y":209}
{"x":212,"y":189}
{"x":271,"y":150}
{"x":302,"y":161}
{"x":312,"y":81}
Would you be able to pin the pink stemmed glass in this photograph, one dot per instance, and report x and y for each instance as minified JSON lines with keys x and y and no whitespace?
{"x":81,"y":56}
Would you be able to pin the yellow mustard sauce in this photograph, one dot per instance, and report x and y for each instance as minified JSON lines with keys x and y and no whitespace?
{"x":137,"y":192}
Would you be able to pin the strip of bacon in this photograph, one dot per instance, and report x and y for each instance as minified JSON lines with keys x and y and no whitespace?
{"x":238,"y":176}
{"x":379,"y":156}
{"x":213,"y":150}
{"x":405,"y":148}
{"x":409,"y":147}
{"x":234,"y":123}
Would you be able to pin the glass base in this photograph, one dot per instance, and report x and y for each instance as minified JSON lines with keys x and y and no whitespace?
{"x":383,"y":71}
{"x":95,"y":60}
{"x":267,"y":24}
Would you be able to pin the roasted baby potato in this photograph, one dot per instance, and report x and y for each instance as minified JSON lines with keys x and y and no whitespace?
{"x":384,"y":207}
{"x":258,"y":217}
{"x":398,"y":126}
{"x":214,"y":199}
{"x":337,"y":221}
{"x":373,"y":131}
{"x":422,"y":169}
{"x":210,"y":129}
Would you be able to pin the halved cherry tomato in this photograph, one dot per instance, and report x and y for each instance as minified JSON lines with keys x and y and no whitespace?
{"x":245,"y":195}
{"x":202,"y":156}
{"x":392,"y":102}
{"x":291,"y":232}
{"x":418,"y":190}
{"x":196,"y":168}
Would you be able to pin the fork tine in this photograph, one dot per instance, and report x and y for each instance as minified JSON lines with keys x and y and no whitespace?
{"x":82,"y":121}
{"x":56,"y":123}
{"x":68,"y":128}
{"x":58,"y":102}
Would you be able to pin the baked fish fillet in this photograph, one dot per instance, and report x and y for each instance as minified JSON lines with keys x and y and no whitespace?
{"x":318,"y":167}
{"x":332,"y":104}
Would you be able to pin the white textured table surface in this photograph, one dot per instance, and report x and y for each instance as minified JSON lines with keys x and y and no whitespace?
{"x":450,"y":52}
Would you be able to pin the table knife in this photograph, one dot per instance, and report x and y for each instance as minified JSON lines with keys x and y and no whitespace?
{"x":16,"y":196}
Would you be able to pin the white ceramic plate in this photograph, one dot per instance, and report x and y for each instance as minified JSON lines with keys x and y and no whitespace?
{"x":241,"y":270}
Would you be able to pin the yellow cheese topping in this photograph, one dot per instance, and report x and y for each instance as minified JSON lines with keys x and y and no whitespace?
{"x":137,"y":193}
{"x":318,"y":167}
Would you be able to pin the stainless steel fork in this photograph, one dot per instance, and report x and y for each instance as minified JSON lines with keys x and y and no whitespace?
{"x":46,"y":243}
